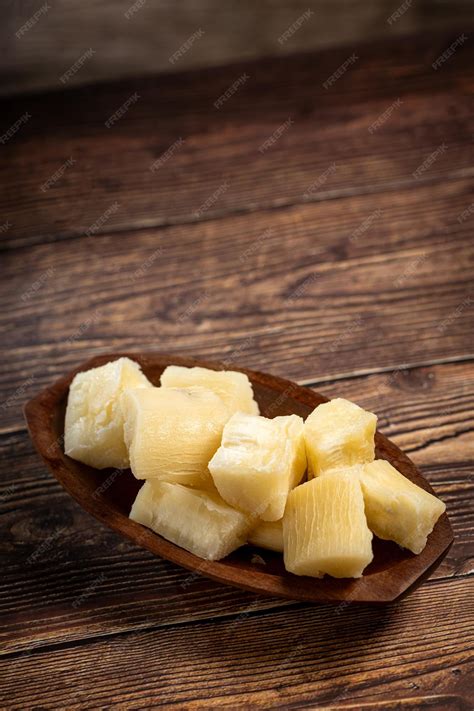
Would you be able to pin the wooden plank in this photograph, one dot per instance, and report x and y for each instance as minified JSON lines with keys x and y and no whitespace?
{"x":67,"y":578}
{"x":148,"y":34}
{"x":306,"y":655}
{"x":105,"y":182}
{"x":313,"y":291}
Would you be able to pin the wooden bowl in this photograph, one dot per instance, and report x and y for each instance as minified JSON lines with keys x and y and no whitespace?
{"x":108,"y":495}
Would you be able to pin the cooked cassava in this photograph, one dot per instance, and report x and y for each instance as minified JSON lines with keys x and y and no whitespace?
{"x":218,"y":475}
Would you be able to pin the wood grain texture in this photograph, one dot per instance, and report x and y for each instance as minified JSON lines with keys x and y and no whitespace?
{"x":152,"y":32}
{"x":301,"y":656}
{"x":125,"y":588}
{"x":288,"y":292}
{"x":219,"y":168}
{"x":347,"y":287}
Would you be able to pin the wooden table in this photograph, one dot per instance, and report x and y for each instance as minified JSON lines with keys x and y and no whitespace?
{"x":340,"y":255}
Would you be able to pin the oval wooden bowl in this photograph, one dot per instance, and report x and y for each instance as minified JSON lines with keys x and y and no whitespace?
{"x":108,"y":495}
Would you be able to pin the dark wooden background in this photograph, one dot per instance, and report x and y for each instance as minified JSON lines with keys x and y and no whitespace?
{"x":135,"y":37}
{"x":362,"y":288}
